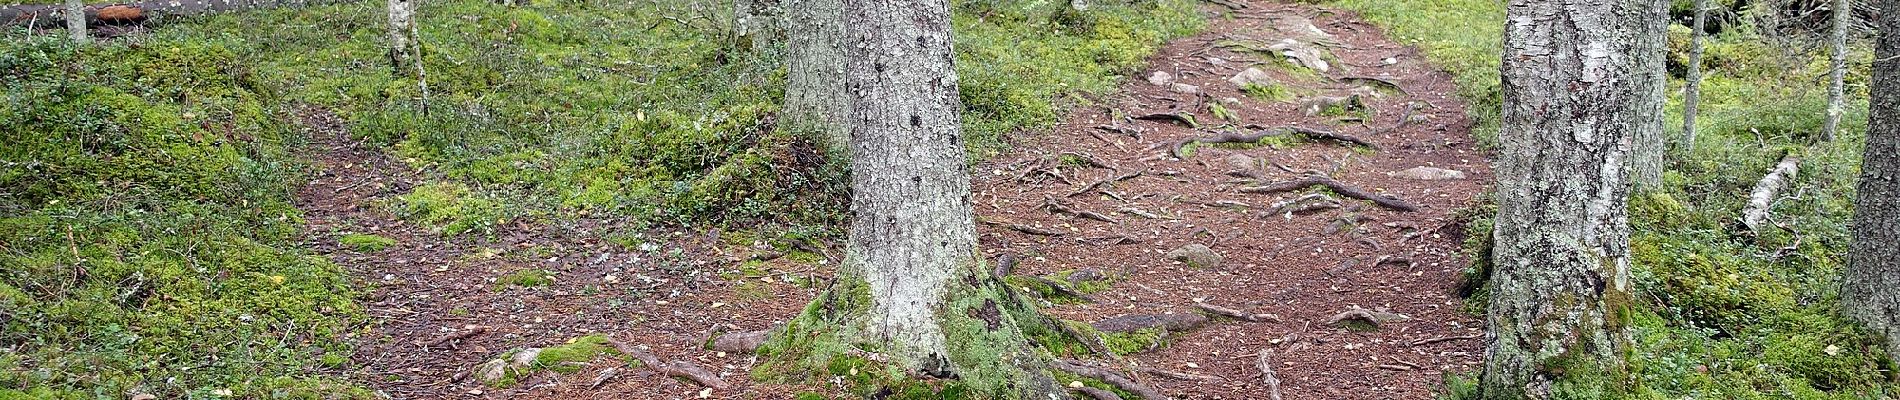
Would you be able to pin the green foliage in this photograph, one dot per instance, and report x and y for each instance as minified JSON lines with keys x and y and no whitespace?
{"x":366,"y":243}
{"x":451,"y":208}
{"x":1464,"y":37}
{"x":148,"y":241}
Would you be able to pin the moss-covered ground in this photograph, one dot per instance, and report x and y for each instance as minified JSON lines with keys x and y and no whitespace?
{"x":147,"y":234}
{"x":1718,"y":314}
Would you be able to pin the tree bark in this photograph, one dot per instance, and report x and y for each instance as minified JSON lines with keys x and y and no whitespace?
{"x":76,"y":20}
{"x":41,"y":15}
{"x":755,"y":23}
{"x":402,"y":20}
{"x":1837,"y":71}
{"x":1582,"y":83}
{"x":929,"y":306}
{"x":1649,"y":80}
{"x":1692,"y":95}
{"x":815,"y":100}
{"x":1870,"y":290}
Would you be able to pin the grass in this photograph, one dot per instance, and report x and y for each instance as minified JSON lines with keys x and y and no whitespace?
{"x":366,"y":243}
{"x":1722,"y":315}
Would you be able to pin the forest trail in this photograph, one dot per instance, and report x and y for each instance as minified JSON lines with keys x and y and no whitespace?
{"x":440,"y":307}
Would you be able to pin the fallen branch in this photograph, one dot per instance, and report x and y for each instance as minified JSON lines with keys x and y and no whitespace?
{"x":1057,"y":207}
{"x":1097,"y":394}
{"x":1265,"y":363}
{"x":1762,"y":199}
{"x":1108,"y":377}
{"x":1236,"y":314}
{"x":678,"y":368}
{"x":1142,"y":213}
{"x":604,"y":376}
{"x":1116,"y":178}
{"x":466,"y":332}
{"x":1337,"y":187}
{"x":1304,"y":204}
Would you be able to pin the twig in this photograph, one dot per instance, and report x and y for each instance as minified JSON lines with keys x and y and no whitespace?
{"x":465,"y":333}
{"x":1422,"y":342}
{"x":1236,"y":314}
{"x":1337,"y":187}
{"x":1265,"y":362}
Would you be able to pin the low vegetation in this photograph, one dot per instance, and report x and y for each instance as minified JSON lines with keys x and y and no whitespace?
{"x":1722,"y":314}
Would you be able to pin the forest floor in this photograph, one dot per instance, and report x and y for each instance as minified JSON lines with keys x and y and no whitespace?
{"x":438,"y":312}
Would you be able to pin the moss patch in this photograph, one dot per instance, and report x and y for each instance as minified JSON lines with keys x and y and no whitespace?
{"x":366,"y":243}
{"x":526,"y":278}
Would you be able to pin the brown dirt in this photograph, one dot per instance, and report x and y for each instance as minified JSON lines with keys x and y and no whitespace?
{"x":1305,"y":268}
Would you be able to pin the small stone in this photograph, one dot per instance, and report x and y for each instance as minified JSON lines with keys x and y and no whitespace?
{"x":1242,"y":162}
{"x":144,"y":396}
{"x":1075,"y":384}
{"x":1390,"y":61}
{"x":1196,"y":255}
{"x":1230,"y":101}
{"x":1251,"y":76}
{"x":1160,"y":78}
{"x":492,"y":371}
{"x":1183,"y":88}
{"x":705,"y":393}
{"x":525,"y":357}
{"x":1429,"y":174}
{"x":1216,"y":60}
{"x":1085,"y":275}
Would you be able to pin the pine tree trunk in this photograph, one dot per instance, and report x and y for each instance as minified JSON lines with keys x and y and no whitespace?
{"x":76,"y":20}
{"x":815,"y":100}
{"x":402,"y":16}
{"x":1870,"y":290}
{"x":1837,"y":72}
{"x":1582,"y":82}
{"x":927,"y":303}
{"x":1692,"y":95}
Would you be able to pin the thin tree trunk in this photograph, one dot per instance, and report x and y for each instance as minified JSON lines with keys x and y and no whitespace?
{"x":1870,"y":290}
{"x":402,"y":16}
{"x":1651,"y":69}
{"x":1837,"y":71}
{"x":1692,"y":95}
{"x":815,"y":100}
{"x":1582,"y":82}
{"x":76,"y":20}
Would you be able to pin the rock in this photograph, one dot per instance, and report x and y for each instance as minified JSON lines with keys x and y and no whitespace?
{"x":1390,"y":61}
{"x":1085,"y":275}
{"x":1251,"y":76}
{"x":1196,"y":255}
{"x":1183,"y":88}
{"x":1302,"y":28}
{"x":740,"y":342}
{"x":1230,"y":101}
{"x":1242,"y":162}
{"x":1173,"y":322}
{"x":492,"y":371}
{"x":1429,"y":174}
{"x":1212,"y":60}
{"x":524,"y":358}
{"x":1305,"y":54}
{"x":1160,"y":78}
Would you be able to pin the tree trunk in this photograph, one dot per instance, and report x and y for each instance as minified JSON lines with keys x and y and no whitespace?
{"x":815,"y":100}
{"x":1692,"y":95}
{"x":41,"y":15}
{"x":1870,"y":290}
{"x":76,"y":20}
{"x":1582,"y":82}
{"x":1650,"y":81}
{"x":927,"y":303}
{"x":402,"y":20}
{"x":1837,"y":71}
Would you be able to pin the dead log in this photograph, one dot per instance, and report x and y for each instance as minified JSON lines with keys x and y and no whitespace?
{"x":740,"y":342}
{"x":1108,"y":377}
{"x":1236,"y":314}
{"x":1337,"y":187}
{"x":1762,"y":199}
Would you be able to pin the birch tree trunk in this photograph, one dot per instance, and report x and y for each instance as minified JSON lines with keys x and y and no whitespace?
{"x":1692,"y":95}
{"x":815,"y":100}
{"x":927,"y":303}
{"x":1837,"y":71}
{"x":76,"y":20}
{"x":402,"y":14}
{"x":1582,"y":82}
{"x":1870,"y":290}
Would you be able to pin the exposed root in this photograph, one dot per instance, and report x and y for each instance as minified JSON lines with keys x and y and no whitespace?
{"x":678,"y":368}
{"x":1337,"y":187}
{"x":1184,"y":120}
{"x":1304,"y":204}
{"x":466,"y":332}
{"x":740,"y":342}
{"x":1097,"y":394}
{"x":1057,"y":207}
{"x":1108,"y":377}
{"x":604,"y":376}
{"x":1179,"y":149}
{"x":1143,"y":213}
{"x":1422,"y":342}
{"x":1236,"y":314}
{"x":1111,"y":179}
{"x":1022,"y":228}
{"x":1088,"y":160}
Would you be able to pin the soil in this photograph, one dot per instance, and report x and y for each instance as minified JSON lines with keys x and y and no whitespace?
{"x":1304,"y":268}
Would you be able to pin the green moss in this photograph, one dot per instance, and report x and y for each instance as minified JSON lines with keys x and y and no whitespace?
{"x":1269,"y":92}
{"x":452,"y":209}
{"x":366,"y":243}
{"x":1221,"y":112}
{"x":563,"y":358}
{"x":526,"y":278}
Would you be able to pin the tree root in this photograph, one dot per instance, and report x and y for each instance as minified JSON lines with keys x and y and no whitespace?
{"x":1265,"y":363}
{"x":1236,"y":314}
{"x":1057,"y":207}
{"x":1021,"y":228}
{"x":678,"y":368}
{"x":1304,"y":204}
{"x":1184,"y":120}
{"x":1097,"y":394}
{"x":1108,"y":377}
{"x":1391,"y":202}
{"x":466,"y":332}
{"x":740,"y":342}
{"x":1179,"y":149}
{"x":1114,"y":178}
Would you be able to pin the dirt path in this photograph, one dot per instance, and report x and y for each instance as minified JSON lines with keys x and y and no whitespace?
{"x":672,"y":289}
